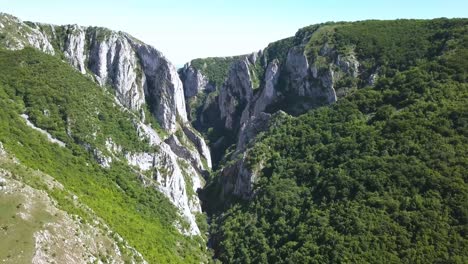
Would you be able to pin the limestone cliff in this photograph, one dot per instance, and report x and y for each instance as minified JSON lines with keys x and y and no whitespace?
{"x":235,"y":94}
{"x":141,"y":79}
{"x":139,"y":73}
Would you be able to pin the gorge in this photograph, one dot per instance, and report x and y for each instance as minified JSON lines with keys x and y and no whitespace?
{"x":320,"y":148}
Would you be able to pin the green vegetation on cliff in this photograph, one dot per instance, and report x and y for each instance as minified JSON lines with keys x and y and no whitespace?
{"x":215,"y":69}
{"x":378,"y":177}
{"x":75,"y":110}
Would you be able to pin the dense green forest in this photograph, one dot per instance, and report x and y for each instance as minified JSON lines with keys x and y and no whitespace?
{"x":378,"y":177}
{"x":72,"y":108}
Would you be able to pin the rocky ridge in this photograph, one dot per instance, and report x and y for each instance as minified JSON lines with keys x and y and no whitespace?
{"x":142,"y":79}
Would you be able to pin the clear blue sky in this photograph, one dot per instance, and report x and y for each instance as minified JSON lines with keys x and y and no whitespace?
{"x":184,"y":30}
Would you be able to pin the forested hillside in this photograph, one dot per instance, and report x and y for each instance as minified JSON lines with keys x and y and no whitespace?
{"x":378,"y":177}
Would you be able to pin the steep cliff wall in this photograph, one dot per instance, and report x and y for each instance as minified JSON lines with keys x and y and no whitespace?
{"x":146,"y":85}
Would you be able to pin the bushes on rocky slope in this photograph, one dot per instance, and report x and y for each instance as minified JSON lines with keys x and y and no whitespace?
{"x":216,"y":69}
{"x":77,"y":111}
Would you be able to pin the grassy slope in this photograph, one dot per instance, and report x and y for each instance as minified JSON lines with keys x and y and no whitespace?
{"x":26,"y":210}
{"x":32,"y":82}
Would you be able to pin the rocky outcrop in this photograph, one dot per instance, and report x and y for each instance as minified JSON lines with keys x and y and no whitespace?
{"x":98,"y":155}
{"x":74,"y":49}
{"x":300,"y":79}
{"x":3,"y":183}
{"x":17,"y":35}
{"x":285,"y":77}
{"x":113,"y":61}
{"x":163,"y":87}
{"x":184,"y":152}
{"x":102,"y":159}
{"x":269,"y":93}
{"x":253,"y":57}
{"x":238,"y":178}
{"x":146,"y":131}
{"x":171,"y":179}
{"x":194,"y":81}
{"x":235,"y":94}
{"x":313,"y":82}
{"x":373,"y":79}
{"x":348,"y":64}
{"x":177,"y":170}
{"x":2,"y":150}
{"x":297,"y":67}
{"x":200,"y":144}
{"x":251,"y":128}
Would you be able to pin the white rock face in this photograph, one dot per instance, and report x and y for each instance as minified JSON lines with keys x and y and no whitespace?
{"x":171,"y":181}
{"x":144,"y":161}
{"x":112,"y":147}
{"x":3,"y":183}
{"x":200,"y":144}
{"x":373,"y":78}
{"x":145,"y":131}
{"x":300,"y":76}
{"x":170,"y":176}
{"x":40,"y":41}
{"x":310,"y":80}
{"x":114,"y":62}
{"x":348,"y":64}
{"x":193,"y":81}
{"x":163,"y":86}
{"x":251,"y":128}
{"x":102,"y":56}
{"x":2,"y":150}
{"x":253,"y":57}
{"x":297,"y":67}
{"x":102,"y":159}
{"x":269,"y":93}
{"x":328,"y":82}
{"x":235,"y":94}
{"x":75,"y":47}
{"x":237,"y":178}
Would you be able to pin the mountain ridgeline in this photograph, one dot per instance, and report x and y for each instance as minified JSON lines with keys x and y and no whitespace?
{"x":104,"y":115}
{"x":346,"y":143}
